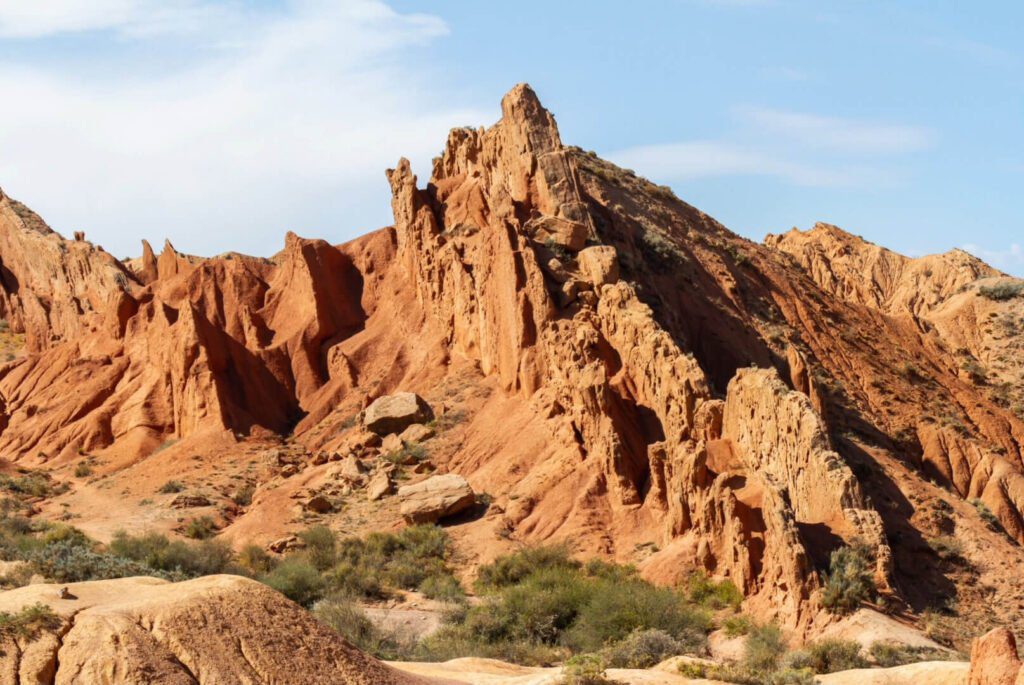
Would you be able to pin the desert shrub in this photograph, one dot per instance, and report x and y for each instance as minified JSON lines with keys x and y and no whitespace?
{"x":443,"y":587}
{"x":616,"y":609}
{"x":763,"y":649}
{"x":31,"y":485}
{"x":514,"y":568}
{"x":171,"y":487}
{"x":255,"y":560}
{"x":849,"y":580}
{"x":1002,"y":291}
{"x":200,"y":528}
{"x":83,"y":470}
{"x":947,"y":548}
{"x":176,"y":557}
{"x":829,"y":656}
{"x":320,"y":546}
{"x":643,"y":649}
{"x":986,"y":514}
{"x":584,"y":669}
{"x":243,"y":495}
{"x":69,"y":562}
{"x":539,"y":602}
{"x":28,"y":622}
{"x":298,"y":580}
{"x":706,"y":592}
{"x":348,"y":620}
{"x":734,"y":626}
{"x":378,"y":564}
{"x":888,"y":654}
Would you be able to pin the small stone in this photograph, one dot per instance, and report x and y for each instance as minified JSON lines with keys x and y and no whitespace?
{"x":380,"y":485}
{"x":319,"y":504}
{"x":417,"y":432}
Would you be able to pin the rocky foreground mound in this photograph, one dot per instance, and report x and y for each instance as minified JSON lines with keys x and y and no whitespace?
{"x":217,"y":630}
{"x":605,"y":364}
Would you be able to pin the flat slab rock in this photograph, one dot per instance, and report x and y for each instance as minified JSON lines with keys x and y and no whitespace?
{"x":394,"y":413}
{"x":435,"y":498}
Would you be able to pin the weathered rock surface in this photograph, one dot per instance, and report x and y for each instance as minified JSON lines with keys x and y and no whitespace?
{"x":208,"y":631}
{"x":435,"y":498}
{"x":994,"y":660}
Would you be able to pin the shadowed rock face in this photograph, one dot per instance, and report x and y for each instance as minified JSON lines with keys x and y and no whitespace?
{"x":619,"y":326}
{"x":209,"y":631}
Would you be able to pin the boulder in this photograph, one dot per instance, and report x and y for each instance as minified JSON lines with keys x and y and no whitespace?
{"x":186,"y":501}
{"x":379,"y":486}
{"x":599,"y":264}
{"x":994,"y":659}
{"x":417,"y":432}
{"x":394,"y":413}
{"x":319,"y":504}
{"x":553,"y":230}
{"x":435,"y":498}
{"x":391,"y":443}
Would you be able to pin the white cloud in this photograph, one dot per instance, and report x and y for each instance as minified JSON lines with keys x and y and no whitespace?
{"x":37,"y":18}
{"x":702,"y":159}
{"x":281,"y":121}
{"x":1010,"y":259}
{"x":807,"y":150}
{"x":845,"y":135}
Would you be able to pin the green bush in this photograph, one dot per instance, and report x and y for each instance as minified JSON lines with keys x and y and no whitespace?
{"x":763,"y":649}
{"x":69,"y":562}
{"x":829,"y":656}
{"x":850,"y":580}
{"x":28,"y":622}
{"x":889,"y":654}
{"x":83,"y":470}
{"x":255,"y":560}
{"x":349,"y":621}
{"x":643,"y":649}
{"x":584,"y":669}
{"x":1002,"y":291}
{"x":243,"y":495}
{"x":200,"y":528}
{"x":442,"y":587}
{"x":615,"y":610}
{"x":298,"y":580}
{"x":514,"y":568}
{"x":176,"y":557}
{"x":714,"y":595}
{"x":171,"y":487}
{"x":735,"y":626}
{"x":320,"y":546}
{"x":986,"y":514}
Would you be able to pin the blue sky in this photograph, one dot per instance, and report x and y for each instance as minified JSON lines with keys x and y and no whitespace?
{"x":223,"y":124}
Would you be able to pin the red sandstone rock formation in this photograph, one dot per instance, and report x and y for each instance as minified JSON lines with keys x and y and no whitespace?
{"x":612,"y":328}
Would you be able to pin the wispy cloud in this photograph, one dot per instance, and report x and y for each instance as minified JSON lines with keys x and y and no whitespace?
{"x":835,"y":133}
{"x":1010,"y":259}
{"x":799,"y":148}
{"x":703,"y":159}
{"x":280,"y":120}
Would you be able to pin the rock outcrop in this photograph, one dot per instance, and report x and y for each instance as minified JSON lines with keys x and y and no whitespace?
{"x":208,"y":631}
{"x":619,"y":368}
{"x":994,"y":660}
{"x":394,"y":413}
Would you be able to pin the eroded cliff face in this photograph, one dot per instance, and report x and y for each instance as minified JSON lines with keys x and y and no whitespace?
{"x":504,"y":253}
{"x":628,"y":374}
